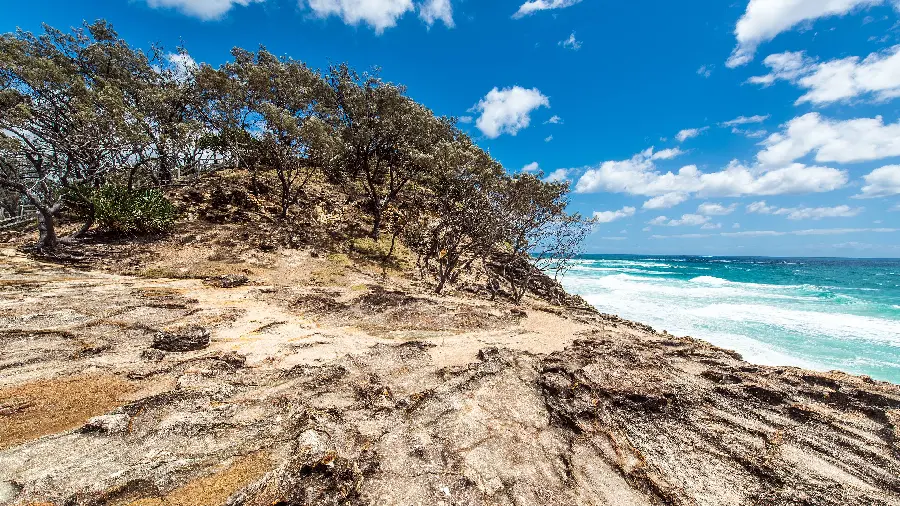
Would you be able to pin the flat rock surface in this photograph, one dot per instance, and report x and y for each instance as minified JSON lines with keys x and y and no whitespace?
{"x":375,"y":392}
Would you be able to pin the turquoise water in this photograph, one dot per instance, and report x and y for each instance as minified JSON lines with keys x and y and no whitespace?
{"x":822,"y":314}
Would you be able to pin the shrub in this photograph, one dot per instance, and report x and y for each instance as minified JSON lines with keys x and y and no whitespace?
{"x":120,"y":210}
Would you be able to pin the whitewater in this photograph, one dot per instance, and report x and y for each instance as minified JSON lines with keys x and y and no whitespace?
{"x":821,"y":314}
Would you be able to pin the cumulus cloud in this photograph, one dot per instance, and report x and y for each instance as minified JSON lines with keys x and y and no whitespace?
{"x":203,"y":9}
{"x":548,"y":138}
{"x":557,"y":175}
{"x":855,"y":140}
{"x":690,"y":133}
{"x":508,"y":110}
{"x":877,"y":76}
{"x":432,"y":11}
{"x":181,"y":65}
{"x":571,"y":43}
{"x":466,"y":119}
{"x":713,"y":209}
{"x":881,"y":182}
{"x":381,"y":14}
{"x":805,"y":213}
{"x":640,"y":176}
{"x":765,"y":19}
{"x":531,"y":167}
{"x":610,"y":216}
{"x":554,"y":120}
{"x":705,"y":71}
{"x":529,"y":8}
{"x":667,"y":154}
{"x":665,"y":201}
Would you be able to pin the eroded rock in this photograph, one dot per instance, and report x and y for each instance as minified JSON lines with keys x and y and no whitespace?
{"x":183,"y":340}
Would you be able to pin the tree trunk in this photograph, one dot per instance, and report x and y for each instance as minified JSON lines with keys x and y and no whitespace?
{"x":47,"y":239}
{"x":376,"y":224}
{"x":87,"y":224}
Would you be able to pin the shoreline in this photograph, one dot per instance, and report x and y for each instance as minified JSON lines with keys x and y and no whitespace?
{"x":798,"y":313}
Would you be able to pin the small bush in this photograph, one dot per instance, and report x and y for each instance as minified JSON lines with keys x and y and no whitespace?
{"x":120,"y":210}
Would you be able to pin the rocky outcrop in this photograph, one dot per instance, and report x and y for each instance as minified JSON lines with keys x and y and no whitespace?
{"x":370,"y":396}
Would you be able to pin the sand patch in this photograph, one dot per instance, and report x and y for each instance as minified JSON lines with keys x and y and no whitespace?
{"x":216,"y":488}
{"x":46,"y":407}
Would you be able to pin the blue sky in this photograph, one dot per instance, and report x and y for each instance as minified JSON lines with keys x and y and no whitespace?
{"x":787,"y":110}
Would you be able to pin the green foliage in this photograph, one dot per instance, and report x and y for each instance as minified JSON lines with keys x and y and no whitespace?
{"x":119,"y":210}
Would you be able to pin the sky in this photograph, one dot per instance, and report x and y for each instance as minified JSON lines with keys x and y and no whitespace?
{"x":748,"y":127}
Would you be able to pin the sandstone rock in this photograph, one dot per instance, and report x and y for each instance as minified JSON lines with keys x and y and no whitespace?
{"x":229,"y":281}
{"x":108,"y":424}
{"x":189,"y":339}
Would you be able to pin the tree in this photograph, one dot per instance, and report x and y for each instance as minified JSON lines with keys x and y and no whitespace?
{"x":66,"y":121}
{"x":383,"y":142}
{"x":462,"y":222}
{"x":539,"y":234}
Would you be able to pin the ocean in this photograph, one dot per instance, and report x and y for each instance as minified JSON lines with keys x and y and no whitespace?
{"x":816,"y":313}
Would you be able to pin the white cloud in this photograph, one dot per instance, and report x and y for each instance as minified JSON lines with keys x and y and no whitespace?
{"x":711,"y":226}
{"x":548,"y":138}
{"x":882,"y":182}
{"x":713,"y":209}
{"x":736,"y":226}
{"x":432,"y":11}
{"x":818,"y":213}
{"x":571,"y":43}
{"x":855,"y":140}
{"x":381,"y":14}
{"x":761,"y":208}
{"x":765,"y":19}
{"x":533,"y":6}
{"x":690,"y":133}
{"x":692,"y":220}
{"x":773,"y":233}
{"x":705,"y":71}
{"x":181,"y":65}
{"x":531,"y":167}
{"x":805,"y":213}
{"x":895,"y":208}
{"x":610,"y":216}
{"x":554,"y":120}
{"x":745,"y":120}
{"x":508,"y":110}
{"x":203,"y":9}
{"x":665,"y":201}
{"x":878,"y":76}
{"x":639,"y":176}
{"x":613,"y":238}
{"x":557,"y":175}
{"x":466,"y":119}
{"x":668,"y":154}
{"x":750,"y":134}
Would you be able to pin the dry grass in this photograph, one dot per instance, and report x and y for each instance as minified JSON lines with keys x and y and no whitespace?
{"x":48,"y":407}
{"x":216,"y":488}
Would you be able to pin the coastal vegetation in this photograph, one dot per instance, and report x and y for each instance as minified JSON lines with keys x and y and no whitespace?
{"x":95,"y":130}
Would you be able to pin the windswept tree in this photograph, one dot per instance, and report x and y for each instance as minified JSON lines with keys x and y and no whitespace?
{"x":462,"y":221}
{"x":540,"y":235}
{"x":67,"y":117}
{"x":383,"y":141}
